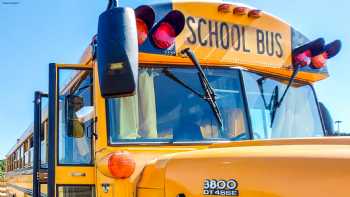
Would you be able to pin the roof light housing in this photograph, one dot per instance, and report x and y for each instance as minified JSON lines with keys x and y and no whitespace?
{"x":315,"y":54}
{"x":144,"y":21}
{"x":330,"y":50}
{"x":303,"y":54}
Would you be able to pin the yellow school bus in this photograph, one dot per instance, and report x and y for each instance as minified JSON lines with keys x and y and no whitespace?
{"x":185,"y":99}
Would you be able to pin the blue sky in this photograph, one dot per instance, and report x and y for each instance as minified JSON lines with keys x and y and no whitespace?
{"x":34,"y":33}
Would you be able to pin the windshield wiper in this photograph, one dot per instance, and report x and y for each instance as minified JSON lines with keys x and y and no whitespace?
{"x":275,"y":102}
{"x":171,"y":75}
{"x":210,"y":95}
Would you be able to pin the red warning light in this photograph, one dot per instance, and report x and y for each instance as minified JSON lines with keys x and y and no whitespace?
{"x":303,"y":59}
{"x":142,"y":31}
{"x":144,"y":22}
{"x":166,"y":31}
{"x":319,"y":61}
{"x":164,"y":35}
{"x":328,"y":51}
{"x":303,"y":55}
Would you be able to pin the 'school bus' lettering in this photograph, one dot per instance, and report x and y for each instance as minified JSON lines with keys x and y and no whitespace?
{"x":223,"y":35}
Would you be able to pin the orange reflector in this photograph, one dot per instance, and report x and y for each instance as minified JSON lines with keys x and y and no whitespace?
{"x":224,"y":8}
{"x":254,"y":14}
{"x":240,"y":11}
{"x":121,"y":164}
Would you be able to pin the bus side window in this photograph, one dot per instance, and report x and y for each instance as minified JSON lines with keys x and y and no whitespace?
{"x":26,"y":153}
{"x":43,"y":143}
{"x":31,"y":152}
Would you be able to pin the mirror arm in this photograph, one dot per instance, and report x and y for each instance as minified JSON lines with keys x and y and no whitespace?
{"x":93,"y":133}
{"x":261,"y":90}
{"x":112,"y":4}
{"x":291,"y":80}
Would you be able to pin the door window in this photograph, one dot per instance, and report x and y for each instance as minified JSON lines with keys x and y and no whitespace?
{"x":75,"y":118}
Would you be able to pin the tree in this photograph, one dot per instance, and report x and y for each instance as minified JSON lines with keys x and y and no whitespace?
{"x":2,"y":168}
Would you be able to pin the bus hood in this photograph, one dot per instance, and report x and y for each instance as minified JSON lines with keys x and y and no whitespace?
{"x":309,"y":167}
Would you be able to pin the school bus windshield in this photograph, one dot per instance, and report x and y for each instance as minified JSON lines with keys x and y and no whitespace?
{"x":164,"y":110}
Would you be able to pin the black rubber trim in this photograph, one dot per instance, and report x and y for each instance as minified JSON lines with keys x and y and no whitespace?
{"x":52,"y":129}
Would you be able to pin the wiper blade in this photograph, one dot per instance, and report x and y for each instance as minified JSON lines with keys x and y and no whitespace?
{"x":209,"y":96}
{"x":275,"y":102}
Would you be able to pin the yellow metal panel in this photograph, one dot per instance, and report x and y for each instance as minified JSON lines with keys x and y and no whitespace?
{"x":75,"y":175}
{"x":278,"y":170}
{"x":150,"y":192}
{"x":143,"y":155}
{"x":99,"y":103}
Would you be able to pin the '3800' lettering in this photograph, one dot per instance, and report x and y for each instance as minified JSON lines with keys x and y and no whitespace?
{"x":208,"y":33}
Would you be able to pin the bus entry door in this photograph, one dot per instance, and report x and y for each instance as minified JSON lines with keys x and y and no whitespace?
{"x":71,"y":169}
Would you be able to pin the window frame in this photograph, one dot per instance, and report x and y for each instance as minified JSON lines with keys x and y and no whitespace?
{"x":185,"y":143}
{"x":74,"y":87}
{"x":295,"y":81}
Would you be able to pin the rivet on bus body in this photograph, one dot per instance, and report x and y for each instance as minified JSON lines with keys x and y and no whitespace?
{"x":105,"y":187}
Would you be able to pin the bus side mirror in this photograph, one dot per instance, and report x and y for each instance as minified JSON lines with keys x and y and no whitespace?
{"x":74,"y":128}
{"x":117,"y":52}
{"x":326,"y":119}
